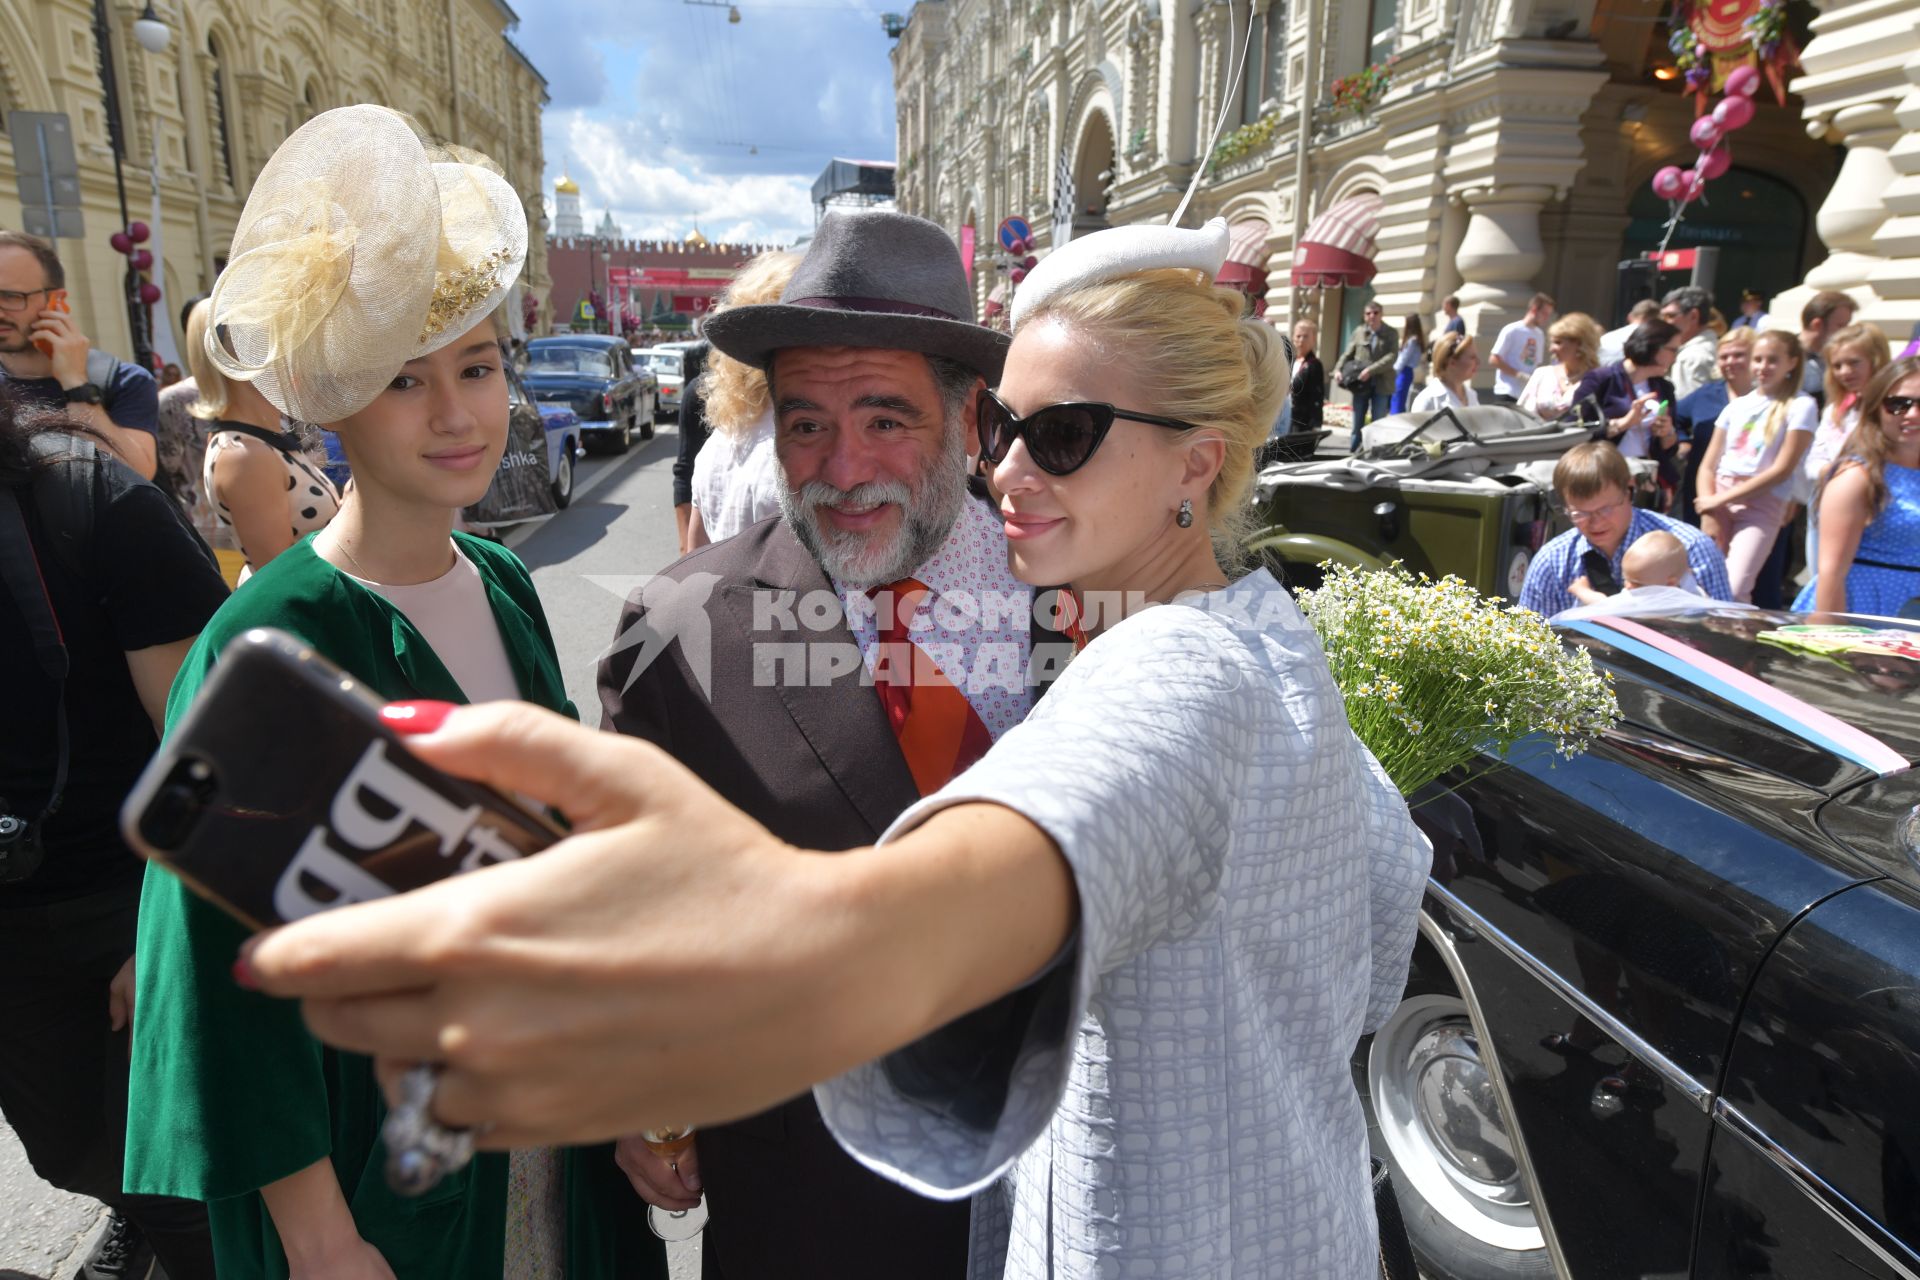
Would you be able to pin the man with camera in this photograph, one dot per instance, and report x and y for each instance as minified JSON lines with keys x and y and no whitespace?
{"x":1366,"y":369}
{"x":104,"y":589}
{"x":48,"y":361}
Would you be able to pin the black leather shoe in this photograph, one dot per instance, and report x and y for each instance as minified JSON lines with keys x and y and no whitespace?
{"x":121,"y":1254}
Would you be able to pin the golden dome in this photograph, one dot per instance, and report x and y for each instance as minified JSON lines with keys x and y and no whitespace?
{"x":696,"y":240}
{"x":566,"y":186}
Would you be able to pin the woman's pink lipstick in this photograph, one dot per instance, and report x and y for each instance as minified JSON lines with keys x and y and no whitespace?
{"x":458,"y":459}
{"x":1019,"y":528}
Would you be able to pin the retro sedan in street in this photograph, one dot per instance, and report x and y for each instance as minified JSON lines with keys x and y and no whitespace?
{"x":1664,"y":1012}
{"x":668,"y":366}
{"x":595,"y":376}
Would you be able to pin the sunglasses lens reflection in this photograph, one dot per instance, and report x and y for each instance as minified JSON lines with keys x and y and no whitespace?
{"x":1062,"y":439}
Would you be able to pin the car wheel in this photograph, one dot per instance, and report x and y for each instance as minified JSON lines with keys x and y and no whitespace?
{"x":1455,"y":1159}
{"x":563,"y":482}
{"x":646,"y":423}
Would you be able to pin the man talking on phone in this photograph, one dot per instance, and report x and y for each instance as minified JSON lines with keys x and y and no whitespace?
{"x":49,"y":362}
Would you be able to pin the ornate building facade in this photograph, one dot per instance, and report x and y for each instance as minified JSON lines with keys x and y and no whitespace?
{"x":235,"y":79}
{"x":1510,"y":150}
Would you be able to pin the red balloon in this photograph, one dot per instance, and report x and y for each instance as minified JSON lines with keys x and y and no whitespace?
{"x":1714,"y":163}
{"x":1030,"y":262}
{"x":1668,"y":182}
{"x":1018,"y":274}
{"x":1743,"y":82}
{"x":149,"y":292}
{"x":120,"y":242}
{"x":1705,"y":133}
{"x":1692,"y":187}
{"x":1018,"y":246}
{"x":142,"y":260}
{"x":1733,"y":113}
{"x":138,"y":232}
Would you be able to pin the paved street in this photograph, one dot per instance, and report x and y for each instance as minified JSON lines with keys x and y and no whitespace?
{"x":620,"y":525}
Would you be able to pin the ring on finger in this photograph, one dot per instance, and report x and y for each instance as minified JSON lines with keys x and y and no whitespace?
{"x":420,"y":1150}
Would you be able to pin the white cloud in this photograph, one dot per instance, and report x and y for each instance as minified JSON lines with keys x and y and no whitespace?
{"x":663,"y":195}
{"x":685,"y":117}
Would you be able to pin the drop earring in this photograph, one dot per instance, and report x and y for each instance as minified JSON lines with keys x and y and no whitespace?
{"x":1185,"y":518}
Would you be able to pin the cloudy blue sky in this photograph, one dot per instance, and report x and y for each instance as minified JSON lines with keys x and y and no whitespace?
{"x":656,"y":105}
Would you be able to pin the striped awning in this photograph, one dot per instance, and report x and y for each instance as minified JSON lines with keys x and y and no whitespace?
{"x":1337,"y":247}
{"x":1246,"y":252}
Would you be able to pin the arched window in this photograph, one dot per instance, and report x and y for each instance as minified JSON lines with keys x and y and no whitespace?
{"x":1274,"y":74}
{"x":310,"y":100}
{"x":222,"y":129}
{"x":1758,"y":222}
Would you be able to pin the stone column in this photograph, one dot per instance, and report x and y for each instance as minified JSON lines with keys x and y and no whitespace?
{"x":1897,"y":279}
{"x":1501,"y":252}
{"x":1854,"y":79}
{"x":1514,"y":112}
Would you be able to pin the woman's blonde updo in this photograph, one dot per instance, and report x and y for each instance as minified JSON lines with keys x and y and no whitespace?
{"x":736,"y":393}
{"x":1202,"y":359}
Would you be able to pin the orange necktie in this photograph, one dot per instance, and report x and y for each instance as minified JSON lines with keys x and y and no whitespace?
{"x":939,"y":731}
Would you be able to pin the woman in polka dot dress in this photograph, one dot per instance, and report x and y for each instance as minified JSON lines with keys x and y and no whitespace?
{"x":257,"y":476}
{"x":1870,"y":507}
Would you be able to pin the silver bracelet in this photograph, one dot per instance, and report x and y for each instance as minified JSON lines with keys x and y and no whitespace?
{"x":420,"y":1150}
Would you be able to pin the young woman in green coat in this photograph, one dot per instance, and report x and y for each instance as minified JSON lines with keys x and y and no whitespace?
{"x":347,"y":313}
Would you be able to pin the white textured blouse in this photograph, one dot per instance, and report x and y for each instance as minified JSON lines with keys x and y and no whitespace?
{"x":1172,"y":1098}
{"x":736,"y":479}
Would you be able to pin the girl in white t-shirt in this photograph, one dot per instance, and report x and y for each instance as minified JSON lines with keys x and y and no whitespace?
{"x":1759,"y":441}
{"x":1854,"y":355}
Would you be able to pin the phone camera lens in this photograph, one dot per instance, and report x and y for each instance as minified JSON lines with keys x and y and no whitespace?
{"x":178,"y":804}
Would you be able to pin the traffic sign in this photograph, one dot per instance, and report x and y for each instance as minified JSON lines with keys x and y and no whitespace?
{"x":46,"y":174}
{"x":1013,"y":230}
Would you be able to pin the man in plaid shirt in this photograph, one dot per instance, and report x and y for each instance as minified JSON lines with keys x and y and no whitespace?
{"x":1595,"y":485}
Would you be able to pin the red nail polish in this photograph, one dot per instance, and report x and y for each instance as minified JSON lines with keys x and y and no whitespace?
{"x":413,"y":718}
{"x":243,"y":974}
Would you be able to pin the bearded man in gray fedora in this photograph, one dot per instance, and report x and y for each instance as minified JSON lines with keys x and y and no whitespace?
{"x":825,"y":668}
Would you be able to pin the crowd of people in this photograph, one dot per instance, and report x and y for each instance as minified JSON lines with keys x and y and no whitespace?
{"x":1758,"y":437}
{"x":873,"y":447}
{"x":950,"y":1034}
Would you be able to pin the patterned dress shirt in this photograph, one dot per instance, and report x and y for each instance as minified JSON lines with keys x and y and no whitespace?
{"x":1178,"y":1101}
{"x":976,"y":623}
{"x":1559,"y":563}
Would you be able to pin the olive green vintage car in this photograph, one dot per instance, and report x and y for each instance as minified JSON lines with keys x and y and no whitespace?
{"x":1467,"y":492}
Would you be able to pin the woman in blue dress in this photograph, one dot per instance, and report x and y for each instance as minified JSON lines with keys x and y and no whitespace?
{"x":1870,"y":506}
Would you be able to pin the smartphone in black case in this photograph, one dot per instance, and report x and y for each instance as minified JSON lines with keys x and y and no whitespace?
{"x":281,"y":794}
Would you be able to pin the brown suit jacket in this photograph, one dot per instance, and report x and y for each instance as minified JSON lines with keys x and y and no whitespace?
{"x":817,"y":764}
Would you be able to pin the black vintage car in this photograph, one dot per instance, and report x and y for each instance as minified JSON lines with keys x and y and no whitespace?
{"x":1664,"y":1012}
{"x":594,"y":375}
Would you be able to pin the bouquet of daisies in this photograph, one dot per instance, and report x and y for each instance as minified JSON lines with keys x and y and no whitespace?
{"x":1434,"y":673}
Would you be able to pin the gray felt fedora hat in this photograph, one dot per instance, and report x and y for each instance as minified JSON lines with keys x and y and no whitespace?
{"x":869,"y":279}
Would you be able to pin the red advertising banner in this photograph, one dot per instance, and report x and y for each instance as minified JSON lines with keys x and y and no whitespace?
{"x":693,"y":304}
{"x":967,"y":242}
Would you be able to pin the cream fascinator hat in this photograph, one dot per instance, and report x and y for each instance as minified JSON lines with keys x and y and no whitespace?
{"x":362,"y":247}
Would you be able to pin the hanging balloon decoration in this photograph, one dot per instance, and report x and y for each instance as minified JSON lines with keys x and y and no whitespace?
{"x":1682,"y":187}
{"x":127,"y":243}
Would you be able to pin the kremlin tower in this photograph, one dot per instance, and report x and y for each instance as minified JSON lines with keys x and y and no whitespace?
{"x":566,"y":201}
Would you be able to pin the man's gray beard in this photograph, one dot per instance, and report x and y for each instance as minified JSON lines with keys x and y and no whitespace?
{"x":928,"y":508}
